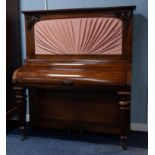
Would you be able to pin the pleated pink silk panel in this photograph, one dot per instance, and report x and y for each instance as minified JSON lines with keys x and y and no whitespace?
{"x":99,"y":36}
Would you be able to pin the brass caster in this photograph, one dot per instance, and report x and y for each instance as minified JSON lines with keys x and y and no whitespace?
{"x":123,"y":142}
{"x":23,"y":134}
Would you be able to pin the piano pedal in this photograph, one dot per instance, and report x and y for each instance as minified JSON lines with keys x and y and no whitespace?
{"x":69,"y":130}
{"x":81,"y":130}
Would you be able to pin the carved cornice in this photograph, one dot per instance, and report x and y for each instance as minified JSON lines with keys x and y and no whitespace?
{"x":124,"y":16}
{"x":32,"y":19}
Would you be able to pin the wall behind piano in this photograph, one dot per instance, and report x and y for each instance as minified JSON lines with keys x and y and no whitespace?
{"x":140,"y":47}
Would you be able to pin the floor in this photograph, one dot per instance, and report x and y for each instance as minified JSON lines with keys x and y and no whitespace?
{"x":58,"y":142}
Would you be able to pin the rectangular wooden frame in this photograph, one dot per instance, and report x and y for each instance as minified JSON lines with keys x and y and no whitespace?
{"x":123,"y":13}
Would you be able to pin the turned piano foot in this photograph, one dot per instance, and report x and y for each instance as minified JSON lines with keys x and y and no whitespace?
{"x":123,"y":142}
{"x":22,"y":133}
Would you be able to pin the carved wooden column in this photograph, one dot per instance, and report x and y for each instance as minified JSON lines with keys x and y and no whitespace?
{"x":21,"y":103}
{"x":124,"y":116}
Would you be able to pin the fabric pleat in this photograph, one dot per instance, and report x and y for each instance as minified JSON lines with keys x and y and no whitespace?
{"x":79,"y":36}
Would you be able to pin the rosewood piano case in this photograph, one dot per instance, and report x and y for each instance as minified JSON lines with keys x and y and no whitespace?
{"x":77,"y":70}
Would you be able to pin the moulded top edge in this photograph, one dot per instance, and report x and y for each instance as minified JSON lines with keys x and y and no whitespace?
{"x":81,"y":9}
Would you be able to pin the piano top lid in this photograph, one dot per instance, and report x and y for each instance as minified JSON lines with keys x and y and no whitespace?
{"x":132,"y":7}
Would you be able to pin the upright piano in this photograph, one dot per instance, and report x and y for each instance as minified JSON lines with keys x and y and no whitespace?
{"x":77,"y":70}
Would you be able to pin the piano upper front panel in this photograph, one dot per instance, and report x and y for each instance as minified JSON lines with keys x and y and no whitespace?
{"x":79,"y":36}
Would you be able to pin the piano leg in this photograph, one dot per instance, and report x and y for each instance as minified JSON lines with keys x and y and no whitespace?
{"x":124,"y":117}
{"x":21,"y":103}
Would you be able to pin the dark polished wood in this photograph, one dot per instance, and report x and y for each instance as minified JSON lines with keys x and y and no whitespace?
{"x":80,"y":92}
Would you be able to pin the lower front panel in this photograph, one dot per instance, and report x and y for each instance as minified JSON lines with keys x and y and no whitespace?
{"x":88,"y":109}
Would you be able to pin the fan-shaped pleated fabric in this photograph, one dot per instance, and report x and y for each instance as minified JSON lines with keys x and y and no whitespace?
{"x":79,"y":36}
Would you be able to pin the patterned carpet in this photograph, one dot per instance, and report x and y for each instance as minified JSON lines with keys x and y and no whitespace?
{"x":54,"y":145}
